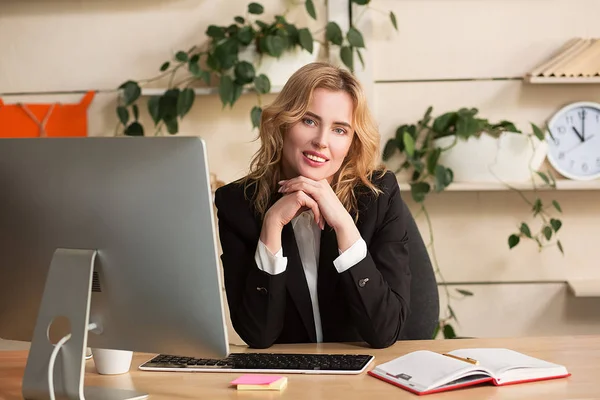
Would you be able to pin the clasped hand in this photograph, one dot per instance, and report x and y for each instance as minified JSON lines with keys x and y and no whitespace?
{"x":301,"y":194}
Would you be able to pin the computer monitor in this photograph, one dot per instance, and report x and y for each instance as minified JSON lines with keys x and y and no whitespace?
{"x":127,"y":219}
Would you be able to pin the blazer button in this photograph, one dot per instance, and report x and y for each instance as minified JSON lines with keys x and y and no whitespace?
{"x":262,"y":290}
{"x":363,"y":282}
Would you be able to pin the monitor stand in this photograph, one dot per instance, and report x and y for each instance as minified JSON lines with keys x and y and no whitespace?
{"x":67,"y":294}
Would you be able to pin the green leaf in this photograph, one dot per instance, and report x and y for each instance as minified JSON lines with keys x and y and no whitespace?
{"x":543,"y":176}
{"x":136,"y":112}
{"x":467,"y":127}
{"x":505,"y":126}
{"x":262,"y":84}
{"x":442,"y":123}
{"x":181,"y":56}
{"x":185,"y":101}
{"x":361,"y":2}
{"x":449,"y":332}
{"x":556,"y":224}
{"x":154,"y":109}
{"x":195,"y":69}
{"x":212,"y":62}
{"x":239,"y":20}
{"x":134,"y":129}
{"x":419,"y":190}
{"x":556,"y":205}
{"x":409,"y":144}
{"x":525,"y":230}
{"x":165,"y":66}
{"x":310,"y":9}
{"x":559,"y":244}
{"x":346,"y":56}
{"x":245,"y":35}
{"x":244,"y":72}
{"x":360,"y":58}
{"x":333,"y":33}
{"x":432,"y":159}
{"x":394,"y":20}
{"x":547,"y":232}
{"x":355,"y":38}
{"x":255,"y":115}
{"x":226,"y":90}
{"x":215,"y":32}
{"x":226,"y":53}
{"x":552,"y":180}
{"x":123,"y":115}
{"x":275,"y":45}
{"x":464,"y":292}
{"x":451,"y":312}
{"x":443,"y":177}
{"x":537,"y":207}
{"x":306,"y":39}
{"x":172,"y":125}
{"x":513,"y":240}
{"x":255,"y":8}
{"x":389,"y":149}
{"x":436,"y":331}
{"x":131,"y":92}
{"x":237,"y":92}
{"x":537,"y":132}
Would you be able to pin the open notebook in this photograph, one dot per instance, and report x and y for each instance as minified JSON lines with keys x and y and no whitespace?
{"x":424,"y":372}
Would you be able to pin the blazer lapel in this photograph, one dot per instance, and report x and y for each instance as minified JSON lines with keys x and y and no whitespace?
{"x":296,"y":280}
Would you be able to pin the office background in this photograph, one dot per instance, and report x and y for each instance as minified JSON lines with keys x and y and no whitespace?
{"x":447,"y":53}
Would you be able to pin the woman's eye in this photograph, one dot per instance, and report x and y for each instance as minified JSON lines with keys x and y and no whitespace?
{"x":309,"y":121}
{"x":339,"y":131}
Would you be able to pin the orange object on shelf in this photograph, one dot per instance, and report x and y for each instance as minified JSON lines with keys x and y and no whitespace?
{"x":44,"y":120}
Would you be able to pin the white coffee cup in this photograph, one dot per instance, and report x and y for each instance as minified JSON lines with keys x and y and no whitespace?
{"x":111,"y":362}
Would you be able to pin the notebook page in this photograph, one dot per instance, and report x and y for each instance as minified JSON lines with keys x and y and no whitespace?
{"x":498,"y":361}
{"x":427,"y":369}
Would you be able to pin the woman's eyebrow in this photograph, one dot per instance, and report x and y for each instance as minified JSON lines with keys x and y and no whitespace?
{"x":315,"y":116}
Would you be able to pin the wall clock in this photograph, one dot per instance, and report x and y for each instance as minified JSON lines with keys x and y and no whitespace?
{"x":574,"y":141}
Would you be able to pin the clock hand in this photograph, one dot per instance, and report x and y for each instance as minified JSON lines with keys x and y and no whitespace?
{"x":578,"y":134}
{"x":583,"y":124}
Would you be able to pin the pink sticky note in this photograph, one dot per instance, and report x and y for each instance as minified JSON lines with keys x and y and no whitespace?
{"x":250,"y":379}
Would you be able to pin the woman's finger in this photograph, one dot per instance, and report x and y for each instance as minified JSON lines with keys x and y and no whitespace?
{"x":312,"y":204}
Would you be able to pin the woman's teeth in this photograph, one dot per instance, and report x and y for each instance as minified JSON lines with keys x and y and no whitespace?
{"x":314,"y":158}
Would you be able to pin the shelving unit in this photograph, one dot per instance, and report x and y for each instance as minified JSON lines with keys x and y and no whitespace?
{"x":205,"y":91}
{"x":577,"y":61}
{"x":585,"y":287}
{"x":498,"y":186}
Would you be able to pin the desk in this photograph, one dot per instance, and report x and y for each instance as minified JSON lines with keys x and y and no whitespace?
{"x":581,"y":355}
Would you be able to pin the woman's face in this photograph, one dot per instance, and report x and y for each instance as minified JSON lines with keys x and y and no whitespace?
{"x":316,"y":145}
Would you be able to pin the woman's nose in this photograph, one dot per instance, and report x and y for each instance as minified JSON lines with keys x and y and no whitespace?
{"x":320,"y":141}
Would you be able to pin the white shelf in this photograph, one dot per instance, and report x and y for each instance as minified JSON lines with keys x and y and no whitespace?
{"x":585,"y":287}
{"x":561,"y":79}
{"x":497,"y":186}
{"x":202,"y":91}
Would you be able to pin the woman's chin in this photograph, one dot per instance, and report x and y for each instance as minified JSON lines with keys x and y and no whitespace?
{"x":314,"y":175}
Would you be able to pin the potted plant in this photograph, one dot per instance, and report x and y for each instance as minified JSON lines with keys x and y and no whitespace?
{"x":423,"y":150}
{"x":235,"y":58}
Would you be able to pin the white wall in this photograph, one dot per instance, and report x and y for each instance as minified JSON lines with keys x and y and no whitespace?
{"x":67,"y":45}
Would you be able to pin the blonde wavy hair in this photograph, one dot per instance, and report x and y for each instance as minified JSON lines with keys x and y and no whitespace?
{"x":288,"y":108}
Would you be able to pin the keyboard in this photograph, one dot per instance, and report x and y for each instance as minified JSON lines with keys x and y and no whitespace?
{"x":264,"y":362}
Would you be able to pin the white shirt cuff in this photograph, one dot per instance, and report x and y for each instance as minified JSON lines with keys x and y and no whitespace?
{"x":349,"y":258}
{"x":268,"y":262}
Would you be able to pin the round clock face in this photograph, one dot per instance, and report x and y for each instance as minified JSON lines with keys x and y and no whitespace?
{"x":574,"y":141}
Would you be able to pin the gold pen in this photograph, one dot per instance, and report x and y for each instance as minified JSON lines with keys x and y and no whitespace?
{"x":467,"y":359}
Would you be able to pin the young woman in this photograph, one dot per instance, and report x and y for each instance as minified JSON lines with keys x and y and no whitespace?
{"x":314,"y":239}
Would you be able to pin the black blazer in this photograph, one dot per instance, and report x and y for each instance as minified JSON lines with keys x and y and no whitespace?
{"x":368,"y":302}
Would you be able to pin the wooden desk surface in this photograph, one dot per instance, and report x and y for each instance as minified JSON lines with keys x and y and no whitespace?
{"x":580,"y":354}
